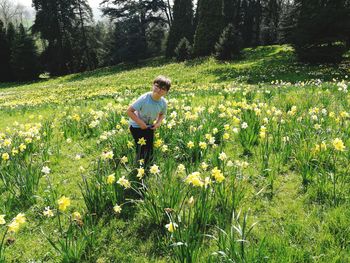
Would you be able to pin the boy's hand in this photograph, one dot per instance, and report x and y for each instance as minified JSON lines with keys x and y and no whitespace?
{"x":155,"y":126}
{"x":143,"y":126}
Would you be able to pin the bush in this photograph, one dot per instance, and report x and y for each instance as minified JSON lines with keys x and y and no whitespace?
{"x":183,"y":51}
{"x":229,"y":45}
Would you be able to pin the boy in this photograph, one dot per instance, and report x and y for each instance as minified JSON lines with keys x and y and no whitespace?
{"x":146,"y":115}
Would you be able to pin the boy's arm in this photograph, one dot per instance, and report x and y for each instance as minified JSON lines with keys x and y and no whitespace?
{"x":158,"y":121}
{"x":131,"y":113}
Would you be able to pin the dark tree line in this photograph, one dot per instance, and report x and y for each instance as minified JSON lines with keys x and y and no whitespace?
{"x":65,"y":39}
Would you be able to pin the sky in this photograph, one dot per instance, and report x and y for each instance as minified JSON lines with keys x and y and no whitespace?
{"x":94,"y":4}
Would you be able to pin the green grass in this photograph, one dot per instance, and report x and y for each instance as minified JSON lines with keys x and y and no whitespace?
{"x":294,"y":227}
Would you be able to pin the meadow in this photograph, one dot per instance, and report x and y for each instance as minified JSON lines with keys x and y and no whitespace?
{"x":251,"y":164}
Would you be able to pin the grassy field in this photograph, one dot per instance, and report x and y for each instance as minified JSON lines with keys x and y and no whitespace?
{"x":251,"y":164}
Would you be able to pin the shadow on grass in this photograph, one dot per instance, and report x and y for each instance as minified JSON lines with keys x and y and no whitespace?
{"x":265,"y":64}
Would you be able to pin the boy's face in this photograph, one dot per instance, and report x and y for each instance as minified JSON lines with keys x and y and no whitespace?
{"x":160,"y":91}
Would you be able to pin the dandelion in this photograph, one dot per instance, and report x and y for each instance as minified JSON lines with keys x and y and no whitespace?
{"x":63,"y":203}
{"x":338,"y":144}
{"x":117,"y":209}
{"x":124,"y":182}
{"x":110,"y":179}
{"x":171,"y":227}
{"x":154,"y":169}
{"x":48,"y":212}
{"x":142,"y":141}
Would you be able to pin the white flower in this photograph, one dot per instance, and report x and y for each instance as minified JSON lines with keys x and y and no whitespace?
{"x":46,"y":170}
{"x":244,"y":125}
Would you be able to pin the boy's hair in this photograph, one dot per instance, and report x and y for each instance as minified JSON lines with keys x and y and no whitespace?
{"x":162,"y":82}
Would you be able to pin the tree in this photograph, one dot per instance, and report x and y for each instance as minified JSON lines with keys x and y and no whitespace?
{"x":131,"y":14}
{"x":272,"y":10}
{"x":182,"y":26}
{"x":183,"y":50}
{"x":229,"y":45}
{"x":210,"y":25}
{"x":321,"y":31}
{"x":24,"y":59}
{"x":5,"y":68}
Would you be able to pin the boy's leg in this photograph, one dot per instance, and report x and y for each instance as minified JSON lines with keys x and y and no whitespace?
{"x":148,"y":154}
{"x":137,"y":134}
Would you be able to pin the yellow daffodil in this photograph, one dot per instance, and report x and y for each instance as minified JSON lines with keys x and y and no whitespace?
{"x":63,"y":203}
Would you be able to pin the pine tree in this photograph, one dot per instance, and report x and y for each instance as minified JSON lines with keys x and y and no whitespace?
{"x":183,"y":50}
{"x":24,"y":59}
{"x":229,"y":45}
{"x":322,"y":30}
{"x":5,"y":68}
{"x":182,"y":25}
{"x":209,"y":28}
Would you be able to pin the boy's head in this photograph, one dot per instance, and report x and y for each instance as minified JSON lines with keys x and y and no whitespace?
{"x":162,"y":82}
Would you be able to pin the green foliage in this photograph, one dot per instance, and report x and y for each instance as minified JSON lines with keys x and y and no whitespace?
{"x":321,"y":31}
{"x":182,"y":26}
{"x":24,"y":59}
{"x":210,"y":25}
{"x":183,"y":50}
{"x":229,"y":45}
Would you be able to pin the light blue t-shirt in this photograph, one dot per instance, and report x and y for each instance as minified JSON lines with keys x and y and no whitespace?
{"x":147,"y":109}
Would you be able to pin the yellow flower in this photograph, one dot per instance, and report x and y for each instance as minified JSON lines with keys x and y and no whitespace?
{"x":190,"y":144}
{"x":158,"y":143}
{"x":216,"y":173}
{"x":154,"y":169}
{"x":110,"y":179}
{"x":20,"y":218}
{"x":338,"y":144}
{"x":171,"y":227}
{"x":2,"y":220}
{"x":181,"y":168}
{"x":117,"y":208}
{"x":124,"y":160}
{"x":142,"y":141}
{"x":124,"y":182}
{"x":194,"y":179}
{"x":204,"y":166}
{"x":226,"y":136}
{"x":76,"y":216}
{"x":63,"y":203}
{"x":140,"y":173}
{"x":107,"y":155}
{"x":130,"y":144}
{"x":13,"y":226}
{"x":203,"y":145}
{"x":5,"y":156}
{"x":22,"y":147}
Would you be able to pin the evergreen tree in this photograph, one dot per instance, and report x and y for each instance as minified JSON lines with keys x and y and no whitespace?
{"x":209,"y":28}
{"x":182,"y":26}
{"x":271,"y":18}
{"x":24,"y":59}
{"x":183,"y":50}
{"x":5,"y":68}
{"x":250,"y":19}
{"x":322,"y":30}
{"x":134,"y":18}
{"x":229,"y":45}
{"x":55,"y":21}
